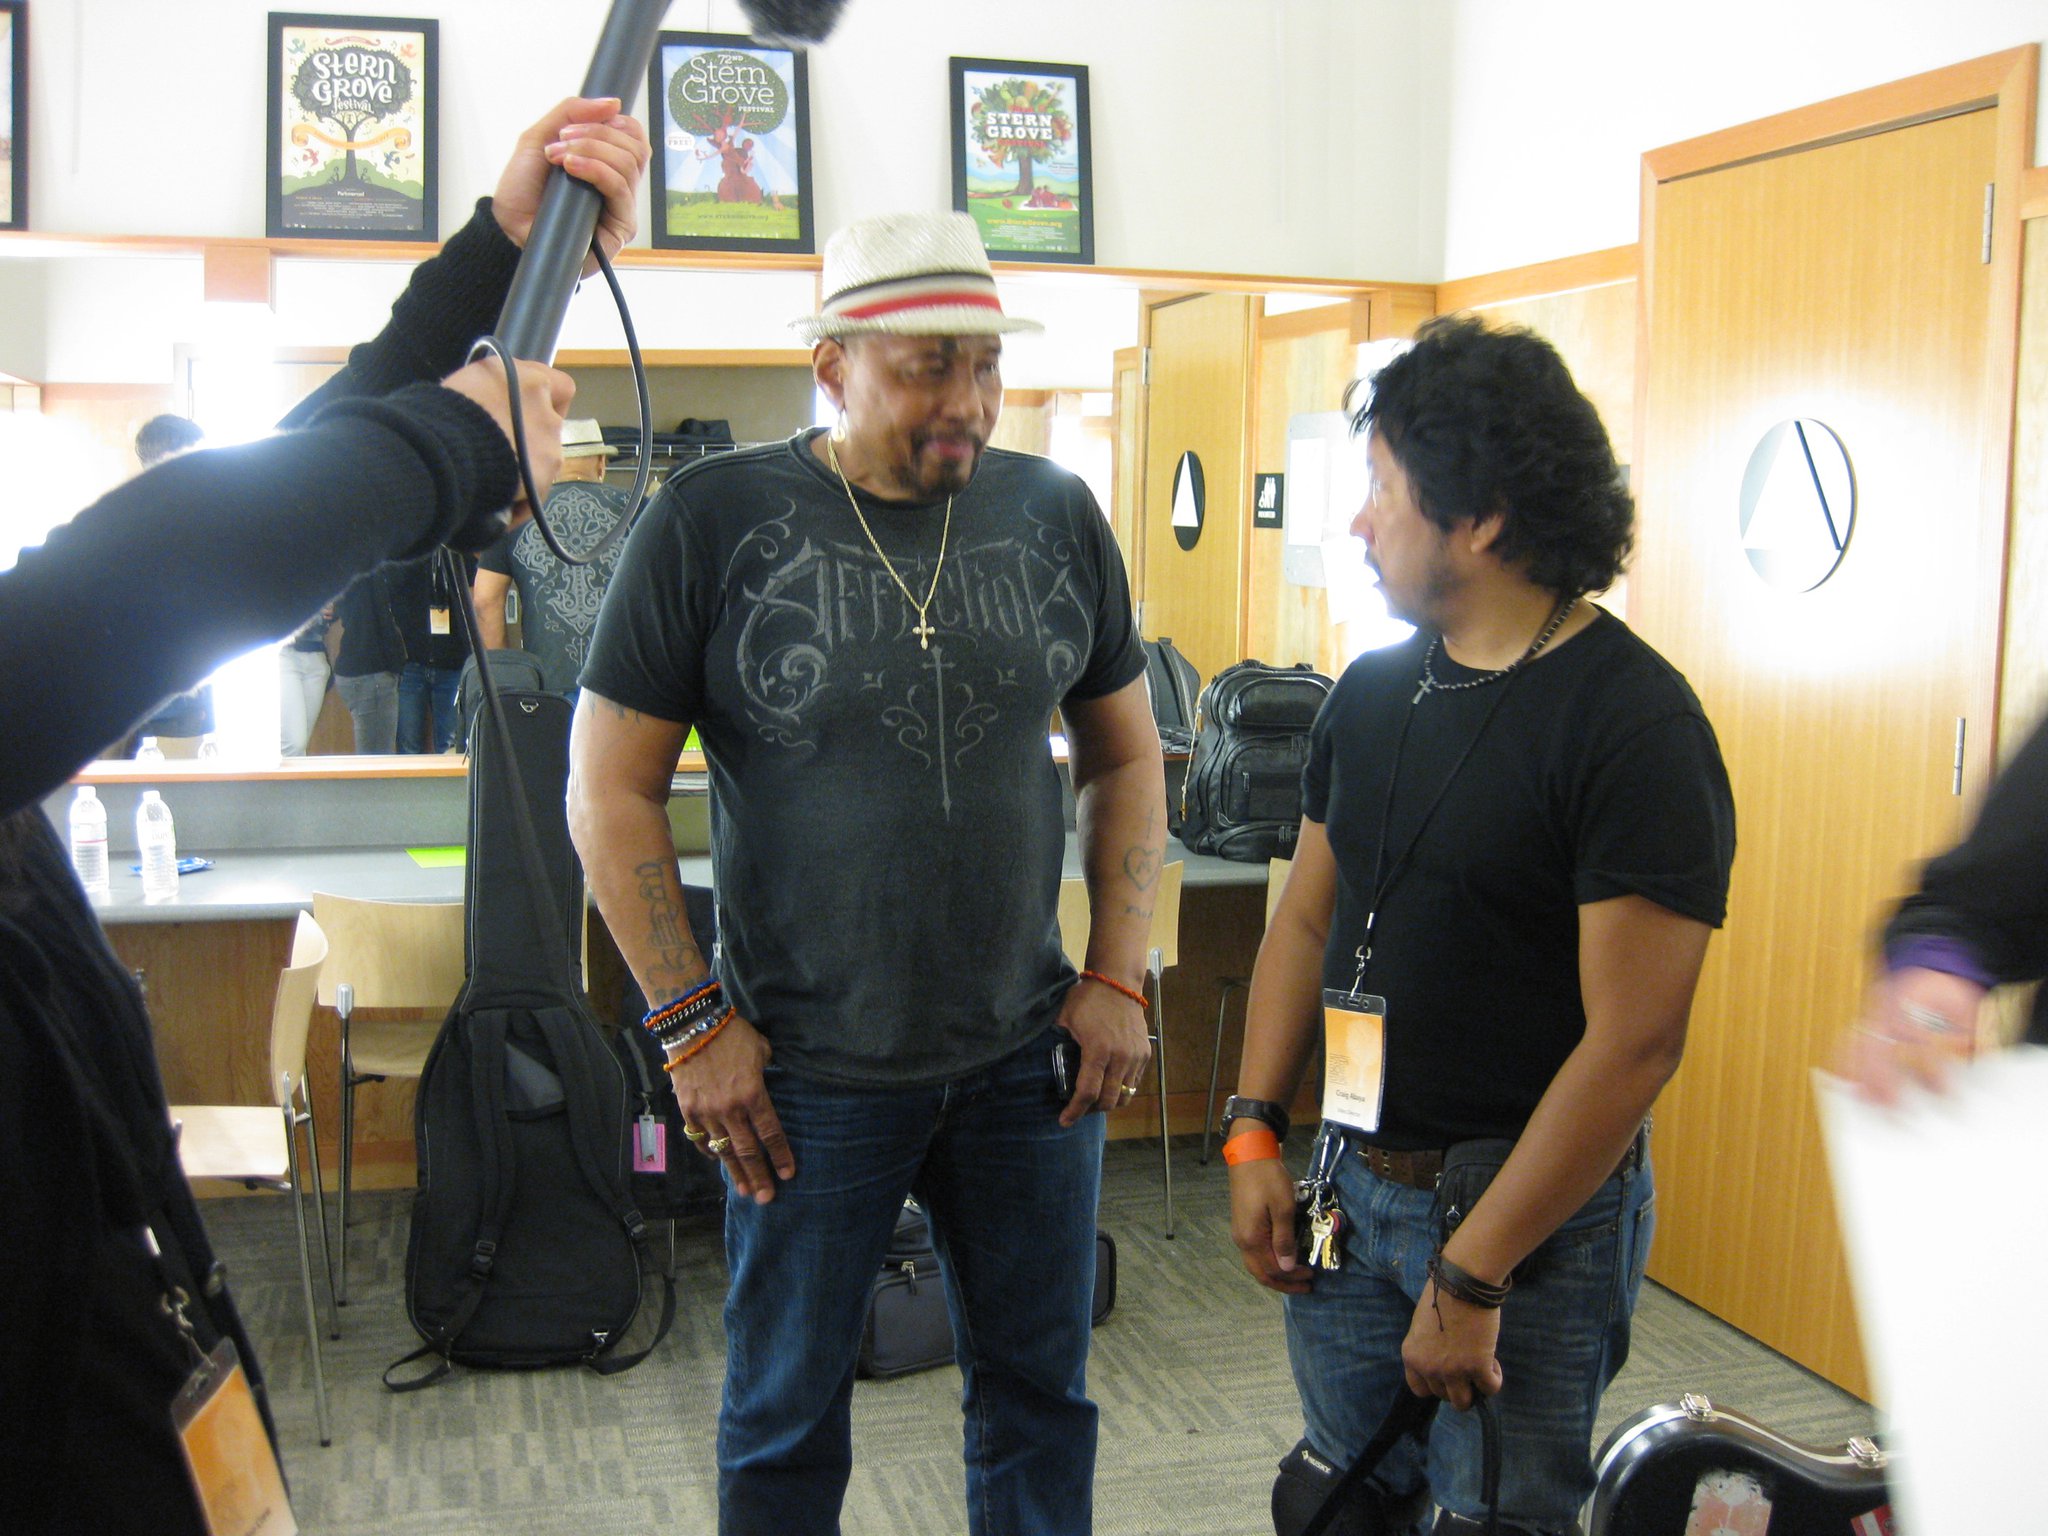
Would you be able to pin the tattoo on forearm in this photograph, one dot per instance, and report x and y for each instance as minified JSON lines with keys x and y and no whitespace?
{"x":1141,"y":865}
{"x":667,"y":931}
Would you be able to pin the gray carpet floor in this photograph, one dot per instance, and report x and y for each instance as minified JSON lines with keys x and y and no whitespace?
{"x":1189,"y":1369}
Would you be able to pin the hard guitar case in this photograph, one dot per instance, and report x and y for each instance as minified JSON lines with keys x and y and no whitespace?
{"x":1690,"y":1468}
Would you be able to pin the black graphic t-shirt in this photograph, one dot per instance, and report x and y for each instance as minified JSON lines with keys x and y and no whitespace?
{"x":558,"y":604}
{"x":885,"y":819}
{"x":1593,"y":773}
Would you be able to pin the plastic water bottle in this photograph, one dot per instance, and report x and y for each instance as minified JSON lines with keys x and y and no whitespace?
{"x":158,"y":840}
{"x":89,"y":842}
{"x":149,"y":751}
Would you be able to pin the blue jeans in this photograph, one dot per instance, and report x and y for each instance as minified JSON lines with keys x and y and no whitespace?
{"x":419,"y":685}
{"x":1564,"y":1334}
{"x":1012,"y":1198}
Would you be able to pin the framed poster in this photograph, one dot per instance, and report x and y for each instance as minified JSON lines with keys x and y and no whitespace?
{"x":1021,"y":158}
{"x":13,"y":114}
{"x":732,"y":140}
{"x":353,"y":137}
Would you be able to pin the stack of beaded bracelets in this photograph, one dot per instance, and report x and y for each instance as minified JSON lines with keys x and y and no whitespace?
{"x":686,"y":1025}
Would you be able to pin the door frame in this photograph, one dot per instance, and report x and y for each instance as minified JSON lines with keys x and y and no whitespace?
{"x":2005,"y":81}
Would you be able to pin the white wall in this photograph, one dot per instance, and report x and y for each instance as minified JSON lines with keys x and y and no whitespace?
{"x":1551,"y":106}
{"x":1229,"y":136}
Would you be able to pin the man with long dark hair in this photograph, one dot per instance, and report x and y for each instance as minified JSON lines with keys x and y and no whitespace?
{"x":1516,"y":839}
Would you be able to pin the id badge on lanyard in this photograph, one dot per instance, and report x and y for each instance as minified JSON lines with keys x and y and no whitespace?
{"x":220,"y":1429}
{"x":1354,"y":1055}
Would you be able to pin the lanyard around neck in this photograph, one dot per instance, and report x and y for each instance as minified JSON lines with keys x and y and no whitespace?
{"x":1384,"y":874}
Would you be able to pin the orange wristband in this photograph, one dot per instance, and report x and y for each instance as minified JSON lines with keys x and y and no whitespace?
{"x":1251,"y":1147}
{"x":1115,"y":986}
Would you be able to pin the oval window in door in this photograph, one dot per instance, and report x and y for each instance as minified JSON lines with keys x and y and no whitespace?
{"x":1798,"y":504}
{"x":1190,"y":500}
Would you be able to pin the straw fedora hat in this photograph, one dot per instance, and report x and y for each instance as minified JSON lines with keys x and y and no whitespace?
{"x":582,"y":437}
{"x":909,"y":274}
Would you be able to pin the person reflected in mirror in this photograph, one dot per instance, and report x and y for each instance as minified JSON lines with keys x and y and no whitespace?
{"x":303,"y":670}
{"x":558,"y":603}
{"x":436,"y":645}
{"x":370,"y":660}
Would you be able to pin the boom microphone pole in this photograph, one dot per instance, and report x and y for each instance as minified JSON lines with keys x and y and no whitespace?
{"x":559,"y":243}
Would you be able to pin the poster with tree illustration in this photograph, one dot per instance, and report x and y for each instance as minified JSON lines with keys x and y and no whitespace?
{"x":1021,"y":158}
{"x":13,"y":114}
{"x":352,"y":135}
{"x":732,"y":125}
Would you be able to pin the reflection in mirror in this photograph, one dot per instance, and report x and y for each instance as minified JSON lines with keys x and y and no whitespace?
{"x":1798,"y":505}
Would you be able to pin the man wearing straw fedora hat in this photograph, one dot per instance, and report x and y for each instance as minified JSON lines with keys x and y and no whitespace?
{"x":558,"y":603}
{"x":870,"y":628}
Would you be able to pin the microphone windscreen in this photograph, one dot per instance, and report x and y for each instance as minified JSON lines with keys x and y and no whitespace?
{"x":795,"y":21}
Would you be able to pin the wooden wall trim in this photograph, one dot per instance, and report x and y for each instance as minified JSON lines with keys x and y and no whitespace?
{"x":1980,"y":82}
{"x":1353,"y":317}
{"x":1593,"y":269}
{"x":2034,"y":193}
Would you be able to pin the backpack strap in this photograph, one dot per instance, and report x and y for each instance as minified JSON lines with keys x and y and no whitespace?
{"x":594,"y":1141}
{"x":486,"y":1035}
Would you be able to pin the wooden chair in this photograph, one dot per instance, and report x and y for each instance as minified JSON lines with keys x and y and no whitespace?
{"x":395,"y":955}
{"x":258,"y":1145}
{"x":1276,"y":881}
{"x":1161,"y":953}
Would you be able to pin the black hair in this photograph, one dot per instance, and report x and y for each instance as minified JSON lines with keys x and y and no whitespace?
{"x":1485,"y":420}
{"x":161,"y":436}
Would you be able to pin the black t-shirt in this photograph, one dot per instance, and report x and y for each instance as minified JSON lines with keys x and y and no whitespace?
{"x":417,"y":588}
{"x":559,"y":604}
{"x":1597,"y":776}
{"x":886,"y":820}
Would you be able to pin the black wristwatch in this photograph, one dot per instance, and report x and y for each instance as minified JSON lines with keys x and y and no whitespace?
{"x":1235,"y":1108}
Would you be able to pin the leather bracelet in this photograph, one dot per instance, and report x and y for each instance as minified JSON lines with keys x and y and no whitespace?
{"x":1252,"y":1147}
{"x":1236,"y":1108}
{"x":1455,"y":1281}
{"x":1115,"y":986}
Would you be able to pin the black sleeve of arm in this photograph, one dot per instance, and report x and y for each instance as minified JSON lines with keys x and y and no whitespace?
{"x":212,"y":553}
{"x":1991,"y":890}
{"x":452,"y":298}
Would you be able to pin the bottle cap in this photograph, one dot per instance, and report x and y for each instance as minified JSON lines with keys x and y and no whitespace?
{"x":87,"y":792}
{"x":149,"y":795}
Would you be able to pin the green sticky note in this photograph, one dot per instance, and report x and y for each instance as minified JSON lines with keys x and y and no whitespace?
{"x":440,"y":858}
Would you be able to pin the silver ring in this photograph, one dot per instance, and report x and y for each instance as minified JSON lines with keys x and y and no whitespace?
{"x":718,"y":1146}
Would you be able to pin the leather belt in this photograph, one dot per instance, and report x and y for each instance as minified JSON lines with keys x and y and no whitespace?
{"x":1417,"y":1170}
{"x":1423,"y":1169}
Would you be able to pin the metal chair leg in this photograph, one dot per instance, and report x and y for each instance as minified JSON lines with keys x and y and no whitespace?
{"x":348,"y":1159}
{"x":1159,"y":1046}
{"x":1226,"y":986}
{"x":320,"y":1208}
{"x":297,"y":1196}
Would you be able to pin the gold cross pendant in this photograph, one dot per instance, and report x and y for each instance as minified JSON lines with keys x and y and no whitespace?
{"x":924,"y":632}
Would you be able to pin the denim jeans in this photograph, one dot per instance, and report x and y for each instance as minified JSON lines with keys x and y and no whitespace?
{"x":1012,"y":1198}
{"x":302,"y":689}
{"x":1564,"y":1334}
{"x":419,"y":685}
{"x":372,"y":700}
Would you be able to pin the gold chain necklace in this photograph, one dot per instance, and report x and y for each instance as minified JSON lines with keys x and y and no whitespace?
{"x":923,"y":629}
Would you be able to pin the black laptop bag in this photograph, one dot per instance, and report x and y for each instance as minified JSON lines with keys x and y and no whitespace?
{"x":908,"y":1327}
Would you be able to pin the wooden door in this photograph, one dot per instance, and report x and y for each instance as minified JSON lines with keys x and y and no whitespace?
{"x":1198,"y":401}
{"x":1846,"y":283}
